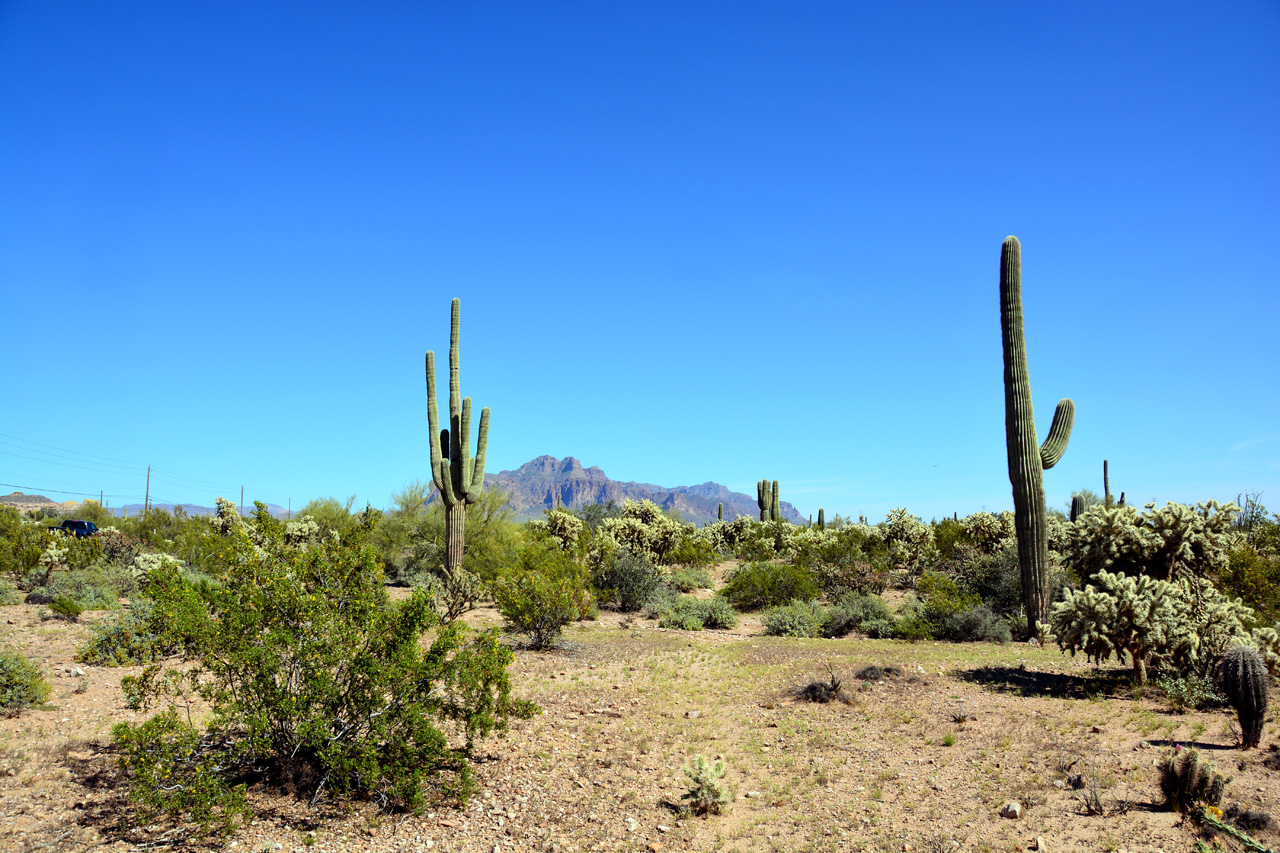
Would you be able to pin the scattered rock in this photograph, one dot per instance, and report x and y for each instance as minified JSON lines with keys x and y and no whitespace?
{"x":1097,"y":730}
{"x":693,"y":715}
{"x":632,"y":824}
{"x":1040,"y":844}
{"x":1011,"y":810}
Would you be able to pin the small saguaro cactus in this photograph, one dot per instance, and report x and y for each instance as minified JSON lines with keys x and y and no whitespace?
{"x":763,"y":499}
{"x":1077,"y":506}
{"x":775,"y":508}
{"x":720,"y":512}
{"x":1028,"y":460}
{"x":458,"y":476}
{"x":822,"y":519}
{"x":1242,"y":677}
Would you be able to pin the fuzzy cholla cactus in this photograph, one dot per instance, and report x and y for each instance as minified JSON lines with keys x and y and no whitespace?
{"x":989,"y":531}
{"x":1242,"y":678}
{"x":706,"y":794}
{"x":1115,"y":615}
{"x":642,"y":528}
{"x":1186,"y":780}
{"x":910,"y":540}
{"x":301,"y":531}
{"x":146,"y":563}
{"x":561,"y":525}
{"x":226,"y":518}
{"x":1168,"y":543}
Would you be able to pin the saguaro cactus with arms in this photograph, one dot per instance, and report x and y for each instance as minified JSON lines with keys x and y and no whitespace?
{"x":458,"y":476}
{"x":1028,"y":460}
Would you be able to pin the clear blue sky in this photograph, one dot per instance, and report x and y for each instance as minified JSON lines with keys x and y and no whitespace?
{"x":692,"y":242}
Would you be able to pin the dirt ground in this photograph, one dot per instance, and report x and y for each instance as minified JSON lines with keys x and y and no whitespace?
{"x":923,"y":758}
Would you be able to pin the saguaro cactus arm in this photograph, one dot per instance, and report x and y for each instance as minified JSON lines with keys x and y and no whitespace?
{"x":457,"y":475}
{"x":1059,"y":434}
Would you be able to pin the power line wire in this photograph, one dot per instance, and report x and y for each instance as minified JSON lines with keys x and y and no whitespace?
{"x":67,"y":450}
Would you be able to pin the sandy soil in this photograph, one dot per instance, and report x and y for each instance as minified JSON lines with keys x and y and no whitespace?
{"x":625,"y":706}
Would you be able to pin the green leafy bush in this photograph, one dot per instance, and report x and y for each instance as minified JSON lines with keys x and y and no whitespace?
{"x":689,"y":579}
{"x":66,"y":608}
{"x":314,"y":676}
{"x":857,"y":611}
{"x":1189,"y":692}
{"x":8,"y":595}
{"x":795,"y":619}
{"x":542,"y":595}
{"x":687,"y":613}
{"x":692,"y":552}
{"x":757,"y":585}
{"x":21,"y":684}
{"x":132,"y":639}
{"x":628,"y":579}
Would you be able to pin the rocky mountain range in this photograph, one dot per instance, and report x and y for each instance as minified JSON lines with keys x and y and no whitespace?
{"x":534,"y":486}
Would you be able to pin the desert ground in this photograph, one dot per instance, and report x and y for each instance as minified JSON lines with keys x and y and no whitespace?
{"x":923,"y":756}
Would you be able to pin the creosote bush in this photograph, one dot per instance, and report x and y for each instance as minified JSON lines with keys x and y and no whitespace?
{"x":21,"y":684}
{"x":627,"y":579}
{"x":687,"y":613}
{"x":857,"y":611}
{"x":314,"y":677}
{"x":762,"y":584}
{"x":546,"y":592}
{"x":795,"y":619}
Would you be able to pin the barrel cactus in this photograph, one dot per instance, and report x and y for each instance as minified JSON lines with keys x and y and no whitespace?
{"x":1242,"y":677}
{"x":1028,"y":460}
{"x":1186,"y":780}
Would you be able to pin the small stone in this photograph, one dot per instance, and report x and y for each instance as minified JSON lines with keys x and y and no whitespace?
{"x":693,"y":715}
{"x":653,"y":847}
{"x":662,"y":828}
{"x":1040,"y":844}
{"x":753,"y":794}
{"x":1011,"y":810}
{"x":1097,"y":730}
{"x":632,"y":824}
{"x":1058,"y":783}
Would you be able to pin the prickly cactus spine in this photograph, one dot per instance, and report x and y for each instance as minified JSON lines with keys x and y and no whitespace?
{"x":1027,"y":460}
{"x":458,"y":476}
{"x":1242,"y":677}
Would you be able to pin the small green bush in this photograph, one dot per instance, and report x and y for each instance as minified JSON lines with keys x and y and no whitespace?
{"x":979,"y":624}
{"x":628,"y":579}
{"x":761,"y":584}
{"x":8,"y":595}
{"x":857,"y":611}
{"x":692,"y":553}
{"x":133,"y":639}
{"x":66,"y":608}
{"x":795,"y":619}
{"x":21,"y":684}
{"x":689,"y":579}
{"x":687,"y":613}
{"x":544,"y":594}
{"x":1189,"y":692}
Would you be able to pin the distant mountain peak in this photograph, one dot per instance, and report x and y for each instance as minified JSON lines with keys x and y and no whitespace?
{"x":535,"y":485}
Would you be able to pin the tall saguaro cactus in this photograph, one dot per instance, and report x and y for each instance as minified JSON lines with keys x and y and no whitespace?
{"x":762,"y":499}
{"x":775,"y":508}
{"x":458,"y":476}
{"x":1028,"y":460}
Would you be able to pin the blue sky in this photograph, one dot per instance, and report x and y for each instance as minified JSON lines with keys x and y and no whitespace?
{"x":692,"y":242}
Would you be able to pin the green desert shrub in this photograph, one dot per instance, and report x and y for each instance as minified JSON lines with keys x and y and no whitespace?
{"x":65,"y":608}
{"x":1189,"y":692}
{"x":543,"y":594}
{"x":692,"y":552}
{"x":317,"y":679}
{"x":707,"y":793}
{"x":761,"y":584}
{"x":856,"y":611}
{"x":627,"y":579}
{"x":132,"y":639}
{"x":795,"y":619}
{"x":688,"y":579}
{"x":21,"y":684}
{"x":687,"y":613}
{"x":8,"y":595}
{"x":977,"y":624}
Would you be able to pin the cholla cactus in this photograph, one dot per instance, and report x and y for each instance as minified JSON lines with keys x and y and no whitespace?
{"x":1168,"y":543}
{"x":642,"y":528}
{"x":1242,"y":677}
{"x":989,"y":532}
{"x":301,"y":531}
{"x":226,"y":518}
{"x":1116,"y":615}
{"x":1183,"y":626}
{"x":564,"y":526}
{"x":910,"y":540}
{"x":146,"y":563}
{"x":706,"y":794}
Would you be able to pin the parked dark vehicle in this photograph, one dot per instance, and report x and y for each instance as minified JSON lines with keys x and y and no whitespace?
{"x":77,"y":528}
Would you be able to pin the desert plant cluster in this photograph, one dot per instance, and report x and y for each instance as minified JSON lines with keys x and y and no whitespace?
{"x":340,"y":656}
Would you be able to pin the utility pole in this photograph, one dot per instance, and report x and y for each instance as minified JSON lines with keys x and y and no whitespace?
{"x":100,"y":493}
{"x":146,"y":501}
